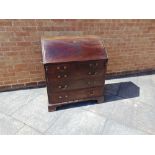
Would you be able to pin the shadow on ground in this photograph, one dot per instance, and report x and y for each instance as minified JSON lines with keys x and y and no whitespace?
{"x":113,"y":92}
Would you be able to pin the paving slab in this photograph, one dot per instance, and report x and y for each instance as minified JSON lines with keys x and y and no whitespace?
{"x":37,"y":92}
{"x":128,"y":90}
{"x":11,"y":95}
{"x":13,"y":105}
{"x":104,"y":109}
{"x":36,"y":115}
{"x":135,"y":114}
{"x":77,"y":122}
{"x":26,"y":130}
{"x":112,"y":88}
{"x":114,"y":128}
{"x":8,"y":125}
{"x":147,"y":90}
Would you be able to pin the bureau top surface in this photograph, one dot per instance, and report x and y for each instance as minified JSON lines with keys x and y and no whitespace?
{"x":72,"y":48}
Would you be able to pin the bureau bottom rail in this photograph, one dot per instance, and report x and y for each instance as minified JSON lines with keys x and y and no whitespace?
{"x":53,"y":107}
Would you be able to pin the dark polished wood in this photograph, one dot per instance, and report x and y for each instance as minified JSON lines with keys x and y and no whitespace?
{"x":63,"y":85}
{"x":71,"y":95}
{"x":75,"y":69}
{"x":72,"y":48}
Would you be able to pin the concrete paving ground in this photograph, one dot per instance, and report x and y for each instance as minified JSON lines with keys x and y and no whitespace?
{"x":129,"y":108}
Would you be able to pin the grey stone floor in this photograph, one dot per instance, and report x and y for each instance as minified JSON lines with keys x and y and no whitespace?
{"x":129,"y":108}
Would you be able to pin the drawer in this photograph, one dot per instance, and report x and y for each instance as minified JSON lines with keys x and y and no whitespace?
{"x":62,"y":85}
{"x":75,"y":70}
{"x":53,"y":69}
{"x":75,"y":95}
{"x":91,"y":68}
{"x":91,"y":65}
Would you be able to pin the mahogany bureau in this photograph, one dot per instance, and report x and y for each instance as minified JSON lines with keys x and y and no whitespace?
{"x":75,"y":69}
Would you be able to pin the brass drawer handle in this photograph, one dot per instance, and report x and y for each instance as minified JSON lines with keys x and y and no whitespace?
{"x":62,"y":87}
{"x":89,"y":83}
{"x":60,"y":97}
{"x":92,"y":92}
{"x":92,"y":73}
{"x":64,"y":67}
{"x":93,"y":65}
{"x":59,"y":76}
{"x":93,"y":82}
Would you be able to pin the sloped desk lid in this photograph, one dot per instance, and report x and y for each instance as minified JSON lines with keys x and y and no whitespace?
{"x":72,"y":48}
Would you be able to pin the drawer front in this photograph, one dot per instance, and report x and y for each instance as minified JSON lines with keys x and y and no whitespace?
{"x":75,"y":70}
{"x":75,"y":95}
{"x":58,"y":68}
{"x":90,"y":69}
{"x":62,"y":85}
